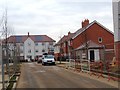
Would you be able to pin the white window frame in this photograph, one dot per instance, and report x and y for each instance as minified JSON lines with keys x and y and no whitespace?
{"x":100,"y":39}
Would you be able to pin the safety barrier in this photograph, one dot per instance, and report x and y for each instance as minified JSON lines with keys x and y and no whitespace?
{"x":71,"y":63}
{"x":108,"y":67}
{"x":77,"y":65}
{"x":85,"y":65}
{"x":93,"y":67}
{"x":102,"y":69}
{"x":113,"y":71}
{"x":99,"y":69}
{"x":96,"y":68}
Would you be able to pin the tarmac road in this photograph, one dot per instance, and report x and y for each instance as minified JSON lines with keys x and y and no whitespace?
{"x":35,"y":75}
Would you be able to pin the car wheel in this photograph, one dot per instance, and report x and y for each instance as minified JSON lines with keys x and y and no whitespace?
{"x":54,"y":63}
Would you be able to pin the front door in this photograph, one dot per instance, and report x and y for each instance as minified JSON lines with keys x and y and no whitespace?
{"x":92,"y":56}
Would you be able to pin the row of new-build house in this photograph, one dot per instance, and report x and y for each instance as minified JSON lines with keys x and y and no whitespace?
{"x":89,"y":42}
{"x":29,"y":47}
{"x":93,"y":41}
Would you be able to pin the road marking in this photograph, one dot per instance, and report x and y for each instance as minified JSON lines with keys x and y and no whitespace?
{"x":40,"y":71}
{"x":85,"y":81}
{"x":31,"y":64}
{"x":56,"y":68}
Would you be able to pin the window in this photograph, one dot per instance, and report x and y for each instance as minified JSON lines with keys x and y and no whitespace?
{"x":48,"y":47}
{"x":43,"y":43}
{"x":119,"y":22}
{"x":28,"y":56}
{"x":119,"y":15}
{"x":36,"y":44}
{"x":43,"y":50}
{"x":29,"y":44}
{"x":50,"y":43}
{"x":21,"y":51}
{"x":100,"y":39}
{"x":51,"y":49}
{"x":21,"y":44}
{"x":36,"y":51}
{"x":29,"y":51}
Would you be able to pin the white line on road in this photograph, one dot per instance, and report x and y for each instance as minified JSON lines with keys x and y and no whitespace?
{"x":40,"y":71}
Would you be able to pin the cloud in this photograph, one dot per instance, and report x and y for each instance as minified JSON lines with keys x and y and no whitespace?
{"x":52,"y":17}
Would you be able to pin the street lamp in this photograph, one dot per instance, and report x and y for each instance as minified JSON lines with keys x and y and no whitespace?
{"x":1,"y":59}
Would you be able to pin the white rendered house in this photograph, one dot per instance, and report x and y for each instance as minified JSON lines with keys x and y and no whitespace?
{"x":116,"y":23}
{"x":32,"y":46}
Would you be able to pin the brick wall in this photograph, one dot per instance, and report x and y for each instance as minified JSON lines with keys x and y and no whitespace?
{"x":117,"y":50}
{"x":93,"y":33}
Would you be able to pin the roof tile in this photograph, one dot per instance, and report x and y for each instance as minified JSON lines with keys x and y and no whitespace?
{"x":35,"y":38}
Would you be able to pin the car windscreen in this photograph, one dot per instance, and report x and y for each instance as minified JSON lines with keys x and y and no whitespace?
{"x":49,"y":56}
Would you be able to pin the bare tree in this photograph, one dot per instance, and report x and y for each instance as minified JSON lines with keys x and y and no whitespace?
{"x":6,"y":32}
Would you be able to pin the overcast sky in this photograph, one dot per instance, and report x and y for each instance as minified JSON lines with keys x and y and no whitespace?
{"x":55,"y":18}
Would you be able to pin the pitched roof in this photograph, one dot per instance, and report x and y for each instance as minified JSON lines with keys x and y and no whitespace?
{"x":79,"y":31}
{"x":35,"y":38}
{"x":65,"y":38}
{"x":90,"y":44}
{"x":70,"y":36}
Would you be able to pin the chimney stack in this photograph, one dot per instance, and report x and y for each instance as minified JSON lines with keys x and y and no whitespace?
{"x":69,"y":33}
{"x":28,"y":34}
{"x":85,"y":23}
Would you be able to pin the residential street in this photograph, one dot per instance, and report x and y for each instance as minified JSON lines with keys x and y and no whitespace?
{"x":37,"y":76}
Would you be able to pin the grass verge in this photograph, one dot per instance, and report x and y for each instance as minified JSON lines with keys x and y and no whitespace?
{"x":11,"y":82}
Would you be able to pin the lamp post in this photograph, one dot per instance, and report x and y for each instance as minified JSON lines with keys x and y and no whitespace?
{"x":60,"y":54}
{"x":2,"y":67}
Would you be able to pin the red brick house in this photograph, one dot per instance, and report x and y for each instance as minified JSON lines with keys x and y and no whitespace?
{"x":92,"y":41}
{"x":62,"y":46}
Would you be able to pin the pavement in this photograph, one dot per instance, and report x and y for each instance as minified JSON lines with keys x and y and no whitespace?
{"x":0,"y":81}
{"x":104,"y":79}
{"x":6,"y":78}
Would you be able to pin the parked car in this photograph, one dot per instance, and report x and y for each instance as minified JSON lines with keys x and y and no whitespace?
{"x":39,"y":59}
{"x":48,"y":59}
